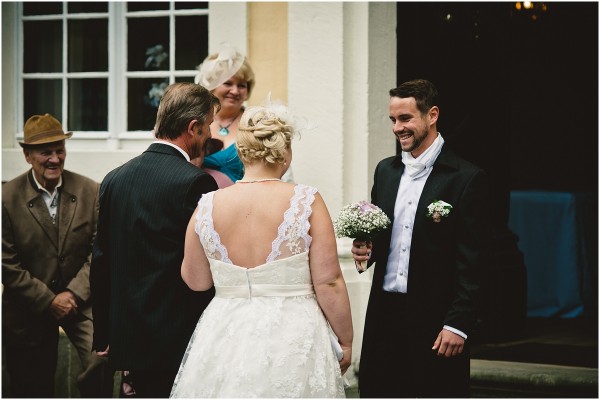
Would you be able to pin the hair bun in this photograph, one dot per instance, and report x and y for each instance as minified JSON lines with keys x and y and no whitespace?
{"x":265,"y":133}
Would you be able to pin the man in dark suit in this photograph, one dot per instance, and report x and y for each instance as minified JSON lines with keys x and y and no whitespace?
{"x":144,"y":313}
{"x":423,"y":302}
{"x":49,"y":220}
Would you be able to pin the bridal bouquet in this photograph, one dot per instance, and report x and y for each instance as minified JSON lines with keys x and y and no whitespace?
{"x":361,"y":220}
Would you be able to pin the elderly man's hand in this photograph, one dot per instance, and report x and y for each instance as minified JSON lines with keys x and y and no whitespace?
{"x":63,"y":305}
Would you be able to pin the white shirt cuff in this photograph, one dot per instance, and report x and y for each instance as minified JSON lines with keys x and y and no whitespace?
{"x":453,"y":330}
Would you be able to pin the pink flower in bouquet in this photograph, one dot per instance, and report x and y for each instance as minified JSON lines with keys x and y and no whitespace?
{"x":360,"y":220}
{"x":365,"y":206}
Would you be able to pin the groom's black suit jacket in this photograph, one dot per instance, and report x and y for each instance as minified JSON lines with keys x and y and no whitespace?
{"x":141,"y":306}
{"x":446,"y":257}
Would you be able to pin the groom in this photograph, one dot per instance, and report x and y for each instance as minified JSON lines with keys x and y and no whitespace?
{"x":144,"y":314}
{"x":423,"y":300}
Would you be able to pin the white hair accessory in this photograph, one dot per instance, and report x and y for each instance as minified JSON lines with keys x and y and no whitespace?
{"x":276,"y":109}
{"x":213,"y":73}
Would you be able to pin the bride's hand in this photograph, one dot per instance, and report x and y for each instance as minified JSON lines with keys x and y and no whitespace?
{"x":347,"y":359}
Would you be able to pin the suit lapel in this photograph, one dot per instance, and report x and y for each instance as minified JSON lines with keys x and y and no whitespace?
{"x":387,"y":202}
{"x":39,"y":211}
{"x":66,"y":211}
{"x":436,"y":180}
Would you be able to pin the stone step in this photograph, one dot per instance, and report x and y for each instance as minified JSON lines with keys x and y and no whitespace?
{"x":503,"y":379}
{"x":520,"y":379}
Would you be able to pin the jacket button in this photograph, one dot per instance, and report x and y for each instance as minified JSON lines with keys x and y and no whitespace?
{"x":61,"y":258}
{"x":72,"y":199}
{"x":30,"y":205}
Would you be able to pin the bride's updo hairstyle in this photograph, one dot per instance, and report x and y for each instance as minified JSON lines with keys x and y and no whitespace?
{"x":264,"y":133}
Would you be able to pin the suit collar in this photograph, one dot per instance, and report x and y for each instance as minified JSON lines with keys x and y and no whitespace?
{"x":39,"y":186}
{"x":447,"y":158}
{"x":164,"y":147}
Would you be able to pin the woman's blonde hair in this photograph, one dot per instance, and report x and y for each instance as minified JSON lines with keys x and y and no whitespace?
{"x":264,"y":133}
{"x":245,"y":73}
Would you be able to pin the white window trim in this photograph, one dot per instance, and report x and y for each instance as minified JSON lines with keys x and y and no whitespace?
{"x":117,"y":74}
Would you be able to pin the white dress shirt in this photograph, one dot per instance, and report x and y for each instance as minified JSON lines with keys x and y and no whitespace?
{"x":405,"y":209}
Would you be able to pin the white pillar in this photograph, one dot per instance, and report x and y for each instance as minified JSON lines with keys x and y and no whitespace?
{"x":342,"y":63}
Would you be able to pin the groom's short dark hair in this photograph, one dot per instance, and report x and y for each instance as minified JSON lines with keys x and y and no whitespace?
{"x":424,"y":92}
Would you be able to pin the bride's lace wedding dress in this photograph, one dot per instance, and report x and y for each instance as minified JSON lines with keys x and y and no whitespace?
{"x":264,"y":334}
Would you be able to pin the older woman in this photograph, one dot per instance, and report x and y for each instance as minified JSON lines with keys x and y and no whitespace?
{"x":229,"y":76}
{"x":266,"y":333}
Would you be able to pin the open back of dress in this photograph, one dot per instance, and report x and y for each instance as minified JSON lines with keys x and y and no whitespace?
{"x":264,"y":334}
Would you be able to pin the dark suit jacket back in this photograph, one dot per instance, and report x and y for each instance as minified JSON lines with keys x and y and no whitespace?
{"x":142,"y":307}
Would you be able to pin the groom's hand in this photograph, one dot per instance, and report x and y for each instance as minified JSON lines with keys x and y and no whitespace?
{"x":448,"y":344}
{"x":361,"y":251}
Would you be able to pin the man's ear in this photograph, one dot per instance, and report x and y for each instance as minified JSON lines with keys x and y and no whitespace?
{"x":433,"y":114}
{"x":27,"y":154}
{"x":191,"y":125}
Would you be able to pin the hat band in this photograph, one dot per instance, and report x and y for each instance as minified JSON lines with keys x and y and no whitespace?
{"x":44,"y":135}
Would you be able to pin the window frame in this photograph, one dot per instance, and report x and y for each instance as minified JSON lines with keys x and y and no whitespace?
{"x":117,"y":74}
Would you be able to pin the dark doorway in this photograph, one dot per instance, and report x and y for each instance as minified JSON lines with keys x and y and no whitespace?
{"x":519,"y":97}
{"x":519,"y":88}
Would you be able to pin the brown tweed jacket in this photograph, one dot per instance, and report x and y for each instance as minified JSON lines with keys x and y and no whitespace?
{"x":40,"y":259}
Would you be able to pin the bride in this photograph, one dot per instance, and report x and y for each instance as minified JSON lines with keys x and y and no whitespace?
{"x":268,"y":247}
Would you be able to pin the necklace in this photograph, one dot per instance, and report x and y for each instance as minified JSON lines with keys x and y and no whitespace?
{"x":258,"y":180}
{"x":223,"y":130}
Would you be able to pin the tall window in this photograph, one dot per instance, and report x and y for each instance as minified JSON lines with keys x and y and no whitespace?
{"x":101,"y":67}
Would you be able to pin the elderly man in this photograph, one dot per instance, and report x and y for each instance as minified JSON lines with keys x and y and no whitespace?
{"x":48,"y":226}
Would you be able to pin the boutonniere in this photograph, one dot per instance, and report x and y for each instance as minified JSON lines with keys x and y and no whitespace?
{"x":438,"y":209}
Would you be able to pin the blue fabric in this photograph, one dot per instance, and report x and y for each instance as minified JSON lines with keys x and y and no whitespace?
{"x":226,"y":161}
{"x":558,"y":236}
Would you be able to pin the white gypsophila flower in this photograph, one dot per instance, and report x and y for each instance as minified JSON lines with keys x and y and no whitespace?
{"x":360,"y":220}
{"x":438,"y":209}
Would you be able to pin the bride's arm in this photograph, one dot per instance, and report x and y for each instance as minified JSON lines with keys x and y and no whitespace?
{"x":195,"y":268}
{"x":327,"y":278}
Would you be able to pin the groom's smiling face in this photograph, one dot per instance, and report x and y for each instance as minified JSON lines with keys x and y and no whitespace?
{"x":412,"y":129}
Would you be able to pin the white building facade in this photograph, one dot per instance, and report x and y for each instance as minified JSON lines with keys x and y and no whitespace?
{"x":98,"y":71}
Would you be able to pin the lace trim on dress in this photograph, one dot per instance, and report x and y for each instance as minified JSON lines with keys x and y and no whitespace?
{"x":209,"y":237}
{"x":295,"y":225}
{"x":292,"y":233}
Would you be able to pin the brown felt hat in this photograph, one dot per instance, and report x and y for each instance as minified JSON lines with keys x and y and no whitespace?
{"x":41,"y":129}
